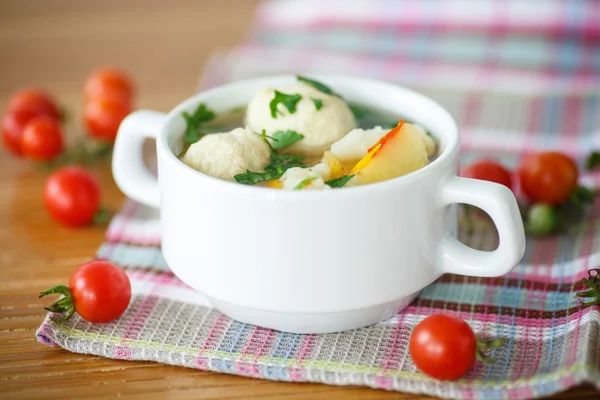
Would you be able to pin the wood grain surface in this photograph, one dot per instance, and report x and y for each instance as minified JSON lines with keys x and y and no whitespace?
{"x":55,"y":44}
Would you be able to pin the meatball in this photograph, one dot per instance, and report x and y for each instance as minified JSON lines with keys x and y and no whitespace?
{"x":223,"y":155}
{"x":320,"y":117}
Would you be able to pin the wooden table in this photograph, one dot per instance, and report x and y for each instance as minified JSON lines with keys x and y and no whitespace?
{"x":55,"y":44}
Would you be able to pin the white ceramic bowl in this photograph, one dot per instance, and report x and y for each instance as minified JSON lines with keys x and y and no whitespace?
{"x":314,"y":261}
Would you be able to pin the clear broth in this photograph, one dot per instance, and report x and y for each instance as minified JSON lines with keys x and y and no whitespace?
{"x":366,"y":118}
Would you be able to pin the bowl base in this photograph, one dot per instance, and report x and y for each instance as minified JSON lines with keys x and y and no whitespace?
{"x":327,"y":322}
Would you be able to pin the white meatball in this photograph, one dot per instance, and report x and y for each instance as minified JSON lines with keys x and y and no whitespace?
{"x":320,"y":127}
{"x":294,"y":176}
{"x":224,"y":155}
{"x":357,"y":142}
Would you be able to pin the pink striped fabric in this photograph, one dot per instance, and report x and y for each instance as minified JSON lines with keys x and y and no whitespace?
{"x":559,"y":17}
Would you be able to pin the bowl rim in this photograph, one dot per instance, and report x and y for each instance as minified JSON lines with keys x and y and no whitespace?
{"x":439,"y":163}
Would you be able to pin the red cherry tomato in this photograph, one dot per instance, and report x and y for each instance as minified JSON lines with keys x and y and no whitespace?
{"x":99,"y":291}
{"x":72,"y":196}
{"x":103,"y":117}
{"x":36,"y":100}
{"x":443,"y":347}
{"x":13,"y":124}
{"x":42,"y":139}
{"x":489,"y":170}
{"x":109,"y":83}
{"x":548,"y":177}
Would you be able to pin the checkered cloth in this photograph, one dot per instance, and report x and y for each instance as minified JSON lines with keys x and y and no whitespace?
{"x":518,"y":77}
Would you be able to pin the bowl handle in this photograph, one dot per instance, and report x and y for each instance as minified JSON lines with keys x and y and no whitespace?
{"x":129,"y":171}
{"x":500,"y":204}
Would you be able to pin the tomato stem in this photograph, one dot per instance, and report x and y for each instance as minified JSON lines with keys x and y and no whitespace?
{"x":102,"y":216}
{"x":483,"y":345}
{"x":65,"y":305}
{"x":63,"y":115}
{"x":81,"y":152}
{"x":593,"y":283}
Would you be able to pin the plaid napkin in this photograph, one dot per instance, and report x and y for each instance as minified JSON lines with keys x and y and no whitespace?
{"x":518,"y":77}
{"x":511,"y":46}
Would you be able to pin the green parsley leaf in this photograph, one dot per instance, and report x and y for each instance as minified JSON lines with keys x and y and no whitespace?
{"x":263,"y":135}
{"x":592,"y":161}
{"x":274,"y":170}
{"x":283,"y":139}
{"x":305,"y":183}
{"x":339,"y":182}
{"x":203,"y":114}
{"x":318,"y":103}
{"x":286,"y":161}
{"x":289,"y":101}
{"x":191,"y":132}
{"x":572,"y":212}
{"x":581,"y":195}
{"x":251,"y":178}
{"x":244,"y":178}
{"x":194,"y":122}
{"x":279,"y":163}
{"x":359,"y":112}
{"x":318,"y":85}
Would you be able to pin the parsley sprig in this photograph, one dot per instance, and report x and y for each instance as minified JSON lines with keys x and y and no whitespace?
{"x":570,"y":214}
{"x":592,"y":161}
{"x":339,"y":182}
{"x":582,"y":196}
{"x":305,"y":183}
{"x":289,"y":101}
{"x":318,"y":103}
{"x":274,"y":170}
{"x":194,"y":122}
{"x":318,"y":85}
{"x":283,"y":139}
{"x":279,"y":162}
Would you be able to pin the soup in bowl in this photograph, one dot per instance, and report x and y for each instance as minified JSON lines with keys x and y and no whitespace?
{"x":303,"y":136}
{"x":335,"y":249}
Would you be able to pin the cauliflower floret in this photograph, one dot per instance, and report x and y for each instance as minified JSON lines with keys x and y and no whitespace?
{"x":357,"y":142}
{"x":223,"y":155}
{"x":320,"y":127}
{"x":294,"y":176}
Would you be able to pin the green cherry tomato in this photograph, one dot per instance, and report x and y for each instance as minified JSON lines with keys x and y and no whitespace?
{"x":542,"y":219}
